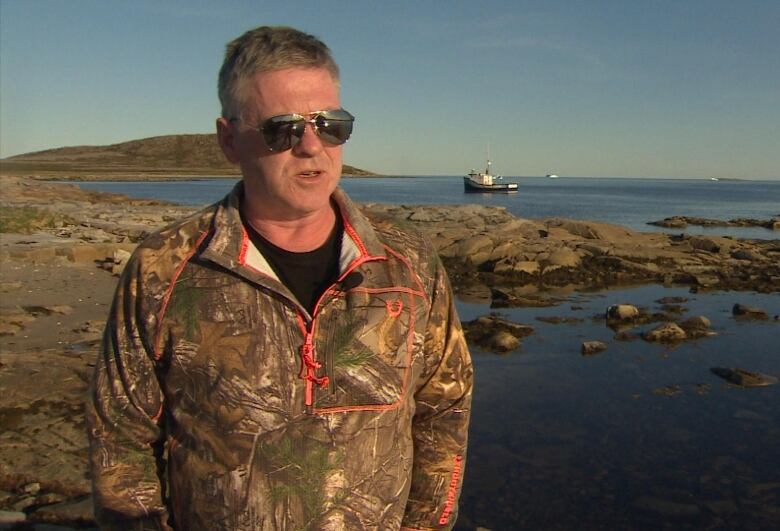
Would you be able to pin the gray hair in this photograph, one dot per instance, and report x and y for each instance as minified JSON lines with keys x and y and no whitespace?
{"x":265,"y":49}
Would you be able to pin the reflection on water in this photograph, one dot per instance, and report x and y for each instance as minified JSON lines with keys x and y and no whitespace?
{"x":641,"y":436}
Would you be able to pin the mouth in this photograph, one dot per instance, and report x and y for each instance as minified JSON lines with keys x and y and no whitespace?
{"x":310,"y":174}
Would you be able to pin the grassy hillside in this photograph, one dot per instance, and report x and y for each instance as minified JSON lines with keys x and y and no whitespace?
{"x":157,"y":157}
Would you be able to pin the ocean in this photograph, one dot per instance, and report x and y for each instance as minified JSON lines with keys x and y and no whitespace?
{"x":640,"y":437}
{"x":631,"y":203}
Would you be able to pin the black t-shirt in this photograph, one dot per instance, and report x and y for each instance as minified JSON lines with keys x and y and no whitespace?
{"x":307,"y":275}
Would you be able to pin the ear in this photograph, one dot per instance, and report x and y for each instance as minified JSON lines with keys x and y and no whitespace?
{"x":226,"y":138}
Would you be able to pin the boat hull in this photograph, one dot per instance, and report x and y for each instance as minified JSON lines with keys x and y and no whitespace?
{"x":471,"y":186}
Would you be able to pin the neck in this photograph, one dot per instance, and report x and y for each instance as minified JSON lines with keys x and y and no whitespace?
{"x":298,"y":235}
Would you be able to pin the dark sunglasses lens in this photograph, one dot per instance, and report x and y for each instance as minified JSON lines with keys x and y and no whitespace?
{"x":335,"y":127}
{"x":283,"y":132}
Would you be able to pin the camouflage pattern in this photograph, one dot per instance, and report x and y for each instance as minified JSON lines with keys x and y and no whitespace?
{"x":218,"y":402}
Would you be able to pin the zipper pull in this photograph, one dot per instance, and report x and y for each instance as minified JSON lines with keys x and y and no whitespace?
{"x":309,"y":366}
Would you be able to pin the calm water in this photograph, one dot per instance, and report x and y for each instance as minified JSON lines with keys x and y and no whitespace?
{"x":639,"y":437}
{"x":628,"y":202}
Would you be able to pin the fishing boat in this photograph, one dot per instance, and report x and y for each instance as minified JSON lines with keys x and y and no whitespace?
{"x":486,"y":182}
{"x":552,"y":176}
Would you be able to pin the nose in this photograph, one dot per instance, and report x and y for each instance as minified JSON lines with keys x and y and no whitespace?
{"x":310,"y":143}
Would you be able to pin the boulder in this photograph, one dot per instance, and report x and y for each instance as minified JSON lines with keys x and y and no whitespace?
{"x":495,"y":333}
{"x":664,"y":333}
{"x":698,"y":326}
{"x":622,"y":312}
{"x":503,"y":341}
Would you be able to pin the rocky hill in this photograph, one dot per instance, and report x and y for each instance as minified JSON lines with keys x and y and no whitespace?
{"x":155,"y":157}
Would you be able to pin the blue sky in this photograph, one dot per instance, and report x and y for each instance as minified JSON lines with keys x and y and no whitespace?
{"x":625,"y":88}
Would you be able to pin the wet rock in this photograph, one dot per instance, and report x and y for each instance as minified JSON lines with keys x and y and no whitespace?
{"x":502,"y":341}
{"x":748,"y":312}
{"x":509,"y":297}
{"x":669,"y":390}
{"x":622,"y":312}
{"x":674,"y":308}
{"x":698,"y":326}
{"x":553,"y":319}
{"x":625,"y":335}
{"x":589,"y":348}
{"x":744,"y":378}
{"x":672,"y":300}
{"x":495,"y":333}
{"x":667,"y":332}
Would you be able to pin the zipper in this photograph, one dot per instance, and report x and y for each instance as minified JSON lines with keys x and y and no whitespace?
{"x":309,"y":366}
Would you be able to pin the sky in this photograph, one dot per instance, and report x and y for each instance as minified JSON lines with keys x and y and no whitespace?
{"x":621,"y":88}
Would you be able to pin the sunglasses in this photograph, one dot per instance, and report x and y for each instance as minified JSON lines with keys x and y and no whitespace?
{"x":283,"y":132}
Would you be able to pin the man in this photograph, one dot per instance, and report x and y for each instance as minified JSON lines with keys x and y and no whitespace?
{"x":278,"y":361}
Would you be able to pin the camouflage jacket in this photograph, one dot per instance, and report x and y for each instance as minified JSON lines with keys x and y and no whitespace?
{"x":218,"y":402}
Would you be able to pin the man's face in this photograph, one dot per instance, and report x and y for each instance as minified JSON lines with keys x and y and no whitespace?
{"x":296,"y":183}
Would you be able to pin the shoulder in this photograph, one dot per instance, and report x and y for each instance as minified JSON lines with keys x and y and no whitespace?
{"x":161,"y":253}
{"x":407,"y":242}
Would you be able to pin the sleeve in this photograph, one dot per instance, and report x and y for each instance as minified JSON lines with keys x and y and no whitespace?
{"x":122,"y":413}
{"x":440,"y":423}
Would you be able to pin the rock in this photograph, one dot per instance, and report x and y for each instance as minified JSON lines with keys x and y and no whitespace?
{"x":71,"y":512}
{"x":12,"y":517}
{"x":625,"y":336}
{"x":622,"y":312}
{"x":704,"y":244}
{"x":669,"y":390}
{"x":62,"y":309}
{"x":672,"y":300}
{"x":554,"y":319}
{"x":746,"y":254}
{"x":698,"y":326}
{"x":496,"y":333}
{"x":590,"y":348}
{"x":674,"y":222}
{"x":564,"y":258}
{"x":120,"y":256}
{"x":666,"y":332}
{"x":744,"y":378}
{"x":31,"y":488}
{"x":503,"y":341}
{"x":740,"y":310}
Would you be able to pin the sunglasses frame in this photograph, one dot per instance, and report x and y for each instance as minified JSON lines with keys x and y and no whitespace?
{"x":279,"y":139}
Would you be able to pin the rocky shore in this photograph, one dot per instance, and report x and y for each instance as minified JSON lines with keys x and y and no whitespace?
{"x":61,"y":248}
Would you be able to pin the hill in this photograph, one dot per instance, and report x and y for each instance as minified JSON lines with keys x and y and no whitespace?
{"x":158,"y":157}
